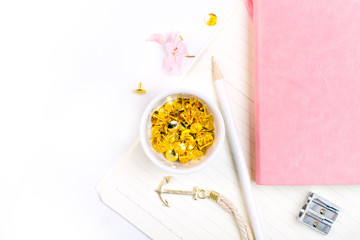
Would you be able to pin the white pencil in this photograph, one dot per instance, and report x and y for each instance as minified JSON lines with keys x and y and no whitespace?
{"x":237,"y":151}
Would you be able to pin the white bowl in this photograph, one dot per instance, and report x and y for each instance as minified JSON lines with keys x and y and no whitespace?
{"x":158,"y":158}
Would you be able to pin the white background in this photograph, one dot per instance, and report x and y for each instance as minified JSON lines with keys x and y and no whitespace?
{"x":67,"y":111}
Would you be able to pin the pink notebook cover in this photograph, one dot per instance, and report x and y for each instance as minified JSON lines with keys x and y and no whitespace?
{"x":307,"y":91}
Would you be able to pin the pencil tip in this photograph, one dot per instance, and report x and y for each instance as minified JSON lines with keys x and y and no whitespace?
{"x":216,"y":70}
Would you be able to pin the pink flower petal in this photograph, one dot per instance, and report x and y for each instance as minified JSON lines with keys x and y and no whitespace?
{"x":173,"y":37}
{"x":169,"y":48}
{"x":174,"y":64}
{"x":182,"y":50}
{"x":175,"y":46}
{"x":156,"y":37}
{"x":177,"y":52}
{"x":170,"y":64}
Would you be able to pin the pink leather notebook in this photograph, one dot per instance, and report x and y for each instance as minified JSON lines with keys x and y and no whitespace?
{"x":307,"y":91}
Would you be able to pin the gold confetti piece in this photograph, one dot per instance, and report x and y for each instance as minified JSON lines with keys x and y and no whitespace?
{"x":210,"y":19}
{"x":182,"y":130}
{"x":140,"y":91}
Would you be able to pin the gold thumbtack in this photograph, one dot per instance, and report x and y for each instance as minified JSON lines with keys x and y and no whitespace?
{"x":210,"y":19}
{"x":140,"y":91}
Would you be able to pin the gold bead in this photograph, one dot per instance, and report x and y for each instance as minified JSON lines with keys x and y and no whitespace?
{"x":210,"y":19}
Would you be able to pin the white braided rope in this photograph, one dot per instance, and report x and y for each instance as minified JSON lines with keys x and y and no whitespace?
{"x":240,"y":221}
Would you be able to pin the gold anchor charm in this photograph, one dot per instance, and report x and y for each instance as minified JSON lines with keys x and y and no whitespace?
{"x":196,"y":192}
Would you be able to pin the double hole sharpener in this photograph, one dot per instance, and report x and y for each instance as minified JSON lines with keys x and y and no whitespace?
{"x":318,"y":213}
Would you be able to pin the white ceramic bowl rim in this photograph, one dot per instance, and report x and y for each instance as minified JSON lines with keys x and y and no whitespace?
{"x":143,"y":137}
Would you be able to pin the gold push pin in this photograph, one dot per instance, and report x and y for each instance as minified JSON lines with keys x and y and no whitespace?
{"x":140,"y":91}
{"x":210,"y":19}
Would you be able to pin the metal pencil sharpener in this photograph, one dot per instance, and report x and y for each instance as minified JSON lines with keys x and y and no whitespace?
{"x":318,"y":213}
